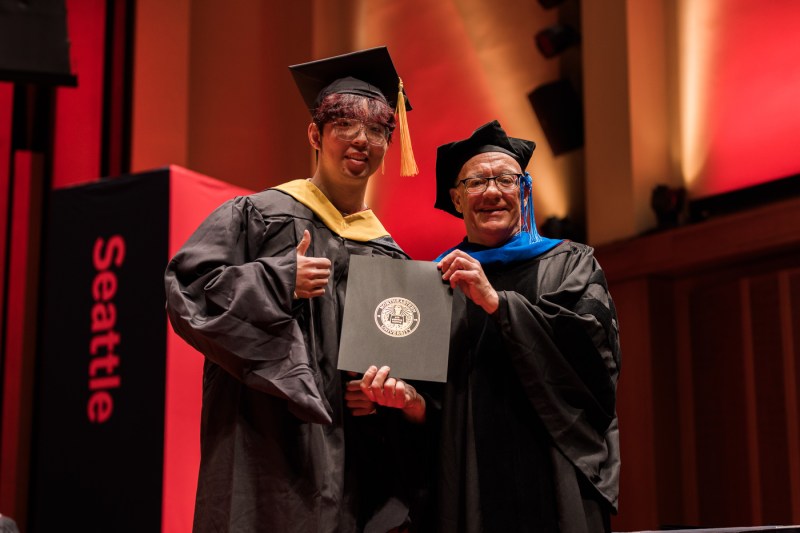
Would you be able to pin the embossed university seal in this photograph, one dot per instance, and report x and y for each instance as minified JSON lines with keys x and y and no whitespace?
{"x":397,"y":317}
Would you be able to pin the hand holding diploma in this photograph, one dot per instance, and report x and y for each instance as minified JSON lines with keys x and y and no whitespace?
{"x":377,"y":387}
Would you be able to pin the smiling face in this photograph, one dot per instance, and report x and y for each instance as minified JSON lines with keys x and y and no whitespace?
{"x":491,"y":217}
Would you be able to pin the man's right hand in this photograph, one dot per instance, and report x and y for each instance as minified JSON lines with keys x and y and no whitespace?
{"x":466,"y":273}
{"x":312,"y":272}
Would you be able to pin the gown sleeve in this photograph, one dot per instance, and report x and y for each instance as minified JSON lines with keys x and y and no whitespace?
{"x":565,"y":350}
{"x":229,"y":295}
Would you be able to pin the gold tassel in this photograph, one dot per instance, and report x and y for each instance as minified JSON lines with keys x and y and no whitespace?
{"x":408,"y":167}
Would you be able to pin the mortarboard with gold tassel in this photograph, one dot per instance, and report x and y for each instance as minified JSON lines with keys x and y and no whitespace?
{"x":369,"y":73}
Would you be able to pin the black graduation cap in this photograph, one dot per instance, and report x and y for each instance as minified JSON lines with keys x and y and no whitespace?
{"x":451,"y":157}
{"x":369,"y":73}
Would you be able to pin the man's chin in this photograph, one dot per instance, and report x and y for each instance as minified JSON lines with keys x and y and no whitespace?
{"x":494,"y":234}
{"x":358,"y":176}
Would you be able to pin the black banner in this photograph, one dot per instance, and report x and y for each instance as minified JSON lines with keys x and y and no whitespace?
{"x":97,"y":454}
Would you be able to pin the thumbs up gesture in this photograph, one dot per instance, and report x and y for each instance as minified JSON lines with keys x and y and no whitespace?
{"x":312,"y":272}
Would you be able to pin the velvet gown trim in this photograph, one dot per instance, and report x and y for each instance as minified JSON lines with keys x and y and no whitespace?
{"x":361,"y":227}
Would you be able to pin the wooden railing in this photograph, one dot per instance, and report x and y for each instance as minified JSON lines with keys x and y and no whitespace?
{"x":708,"y":395}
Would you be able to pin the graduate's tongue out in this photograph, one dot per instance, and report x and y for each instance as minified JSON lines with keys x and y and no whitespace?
{"x":356,"y":162}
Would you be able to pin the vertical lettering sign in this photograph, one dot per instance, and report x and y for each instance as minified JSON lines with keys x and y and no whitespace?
{"x":99,"y":392}
{"x":104,"y":361}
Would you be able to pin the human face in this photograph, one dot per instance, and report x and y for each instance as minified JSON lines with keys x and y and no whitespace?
{"x":491,"y":217}
{"x":355,"y":159}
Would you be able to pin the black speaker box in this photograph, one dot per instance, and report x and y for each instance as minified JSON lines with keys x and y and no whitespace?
{"x":34,"y":47}
{"x":558,"y":107}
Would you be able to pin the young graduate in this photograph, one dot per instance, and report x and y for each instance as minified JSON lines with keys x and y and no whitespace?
{"x":259,"y":290}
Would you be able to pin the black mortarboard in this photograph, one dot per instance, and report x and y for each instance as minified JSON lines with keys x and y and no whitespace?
{"x":451,"y":157}
{"x":369,"y":73}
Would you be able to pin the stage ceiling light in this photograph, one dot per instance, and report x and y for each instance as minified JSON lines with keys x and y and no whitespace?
{"x":553,"y":40}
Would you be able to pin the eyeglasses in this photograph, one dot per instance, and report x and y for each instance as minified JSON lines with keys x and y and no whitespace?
{"x":504,"y":182}
{"x":348,"y":129}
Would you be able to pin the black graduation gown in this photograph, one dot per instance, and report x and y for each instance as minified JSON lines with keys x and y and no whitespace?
{"x":529,"y":428}
{"x":273,"y":455}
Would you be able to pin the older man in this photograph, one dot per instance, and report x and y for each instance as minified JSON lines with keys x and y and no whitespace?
{"x":529,"y":437}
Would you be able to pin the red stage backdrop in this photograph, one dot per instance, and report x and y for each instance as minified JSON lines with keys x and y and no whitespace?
{"x":740,"y":86}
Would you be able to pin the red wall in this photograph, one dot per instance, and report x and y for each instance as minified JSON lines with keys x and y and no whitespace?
{"x":79,"y":110}
{"x":752,"y":85}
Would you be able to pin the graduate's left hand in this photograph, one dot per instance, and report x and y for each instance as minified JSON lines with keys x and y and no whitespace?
{"x":382,"y":389}
{"x":466,"y":273}
{"x":358,"y":402}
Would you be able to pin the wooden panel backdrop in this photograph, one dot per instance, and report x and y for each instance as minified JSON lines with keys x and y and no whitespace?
{"x":709,"y":396}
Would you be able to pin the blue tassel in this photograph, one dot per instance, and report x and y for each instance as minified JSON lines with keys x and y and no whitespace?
{"x":526,"y":208}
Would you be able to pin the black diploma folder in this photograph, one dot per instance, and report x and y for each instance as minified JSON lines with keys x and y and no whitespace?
{"x":396,"y":313}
